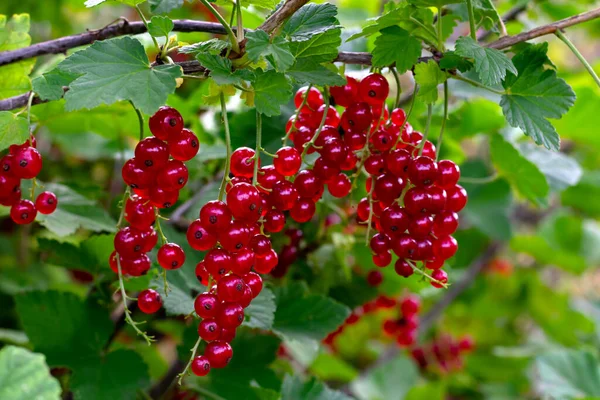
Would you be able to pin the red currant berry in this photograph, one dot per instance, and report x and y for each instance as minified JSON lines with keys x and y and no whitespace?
{"x":230,"y":315}
{"x":438,"y":199}
{"x":445,"y":223}
{"x":173,"y":176}
{"x":374,"y":278}
{"x":382,"y":259}
{"x":357,"y":117}
{"x":264,"y":264}
{"x":388,"y":188}
{"x":184,"y":146}
{"x":218,"y":353}
{"x":274,"y":221}
{"x":215,"y":216}
{"x":23,"y":212}
{"x":355,"y":140}
{"x":136,"y":267}
{"x":350,"y":162}
{"x":380,"y":242}
{"x":403,"y":268}
{"x":345,"y":95}
{"x":397,"y":162}
{"x":375,"y":164}
{"x":235,"y":237}
{"x":288,"y":161}
{"x":162,"y":197}
{"x":435,"y":263}
{"x":7,"y":165}
{"x":363,"y":209}
{"x":231,"y":288}
{"x":209,"y":330}
{"x":206,"y":305}
{"x":307,"y":184}
{"x":152,"y":153}
{"x":404,"y":246}
{"x":398,"y":116}
{"x":254,"y":282}
{"x":260,"y":244}
{"x":456,"y":198}
{"x":420,"y":226}
{"x":422,"y":171}
{"x":410,"y":306}
{"x":303,"y":210}
{"x":406,"y":338}
{"x":247,"y":297}
{"x":340,"y":186}
{"x":27,"y":163}
{"x":199,"y":238}
{"x":149,"y":239}
{"x":382,"y":140}
{"x":242,"y":162}
{"x":242,"y":261}
{"x":217,"y":263}
{"x":440,"y":276}
{"x":268,"y":176}
{"x":149,"y":301}
{"x":314,"y":99}
{"x":424,"y":250}
{"x":201,"y":273}
{"x":325,"y":170}
{"x":227,"y":335}
{"x":139,"y":213}
{"x":374,"y":89}
{"x":166,"y":123}
{"x":284,"y":196}
{"x":334,"y":151}
{"x":394,"y":220}
{"x":301,"y":137}
{"x":445,"y":247}
{"x":129,"y":242}
{"x":200,"y":366}
{"x":244,"y":202}
{"x":170,"y":256}
{"x":448,"y":174}
{"x":417,"y":201}
{"x":46,"y":202}
{"x":11,"y":197}
{"x":136,"y":175}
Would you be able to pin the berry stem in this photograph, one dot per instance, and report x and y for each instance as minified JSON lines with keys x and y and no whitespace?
{"x":479,"y":181}
{"x":304,"y":100}
{"x":228,"y":144}
{"x":33,"y":186}
{"x":412,"y":104}
{"x":187,"y":367}
{"x":258,"y":147}
{"x":370,"y":219}
{"x":427,"y":126}
{"x":235,"y":46}
{"x":477,"y":84}
{"x":577,"y":54}
{"x":398,"y":86}
{"x":123,"y":201}
{"x":145,"y":21}
{"x":240,"y":27}
{"x":440,"y":30}
{"x":140,"y":119}
{"x":472,"y":29}
{"x":426,"y":275}
{"x":163,"y":241}
{"x":426,"y":29}
{"x":29,"y":103}
{"x":312,"y":140}
{"x":444,"y":119}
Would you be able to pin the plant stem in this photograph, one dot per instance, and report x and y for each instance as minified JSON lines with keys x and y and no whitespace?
{"x":426,"y":29}
{"x":29,"y":102}
{"x":304,"y":101}
{"x":140,"y":119}
{"x":439,"y":30}
{"x":321,"y":124}
{"x":240,"y":27}
{"x":145,"y":21}
{"x":477,"y":84}
{"x":579,"y":56}
{"x":235,"y":46}
{"x":427,"y":126}
{"x":412,"y":104}
{"x":426,"y":275}
{"x":398,"y":86}
{"x":163,"y":241}
{"x":441,"y":137}
{"x":476,"y":181}
{"x":473,"y":30}
{"x":228,"y":144}
{"x":187,"y":367}
{"x":258,"y":147}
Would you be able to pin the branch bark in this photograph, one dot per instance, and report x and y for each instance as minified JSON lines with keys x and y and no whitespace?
{"x":277,"y":19}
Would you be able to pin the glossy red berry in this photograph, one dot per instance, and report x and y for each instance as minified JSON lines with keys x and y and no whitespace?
{"x":46,"y":202}
{"x":288,"y":161}
{"x":149,"y":301}
{"x":303,"y":210}
{"x":184,"y":146}
{"x":149,"y":239}
{"x":244,"y":202}
{"x":434,"y":263}
{"x":398,"y":116}
{"x":268,"y":176}
{"x":260,"y":244}
{"x":23,"y":212}
{"x":173,"y":176}
{"x":247,"y":297}
{"x":403,"y":268}
{"x":218,"y":353}
{"x":375,"y":164}
{"x":11,"y":197}
{"x":438,"y":199}
{"x":231,"y":288}
{"x":227,"y":335}
{"x":334,"y":151}
{"x":410,"y":306}
{"x":129,"y":242}
{"x":448,"y":174}
{"x":209,"y":330}
{"x":307,"y":184}
{"x":152,"y":153}
{"x":456,"y":198}
{"x":254,"y":282}
{"x":201,"y":273}
{"x":274,"y":221}
{"x":382,"y":259}
{"x":374,"y":89}
{"x":215,"y":216}
{"x":355,"y":140}
{"x":340,"y":186}
{"x":166,"y":122}
{"x":445,"y":247}
{"x":200,"y":366}
{"x":440,"y":276}
{"x":314,"y":99}
{"x":325,"y":170}
{"x":218,"y":263}
{"x":206,"y":305}
{"x":374,"y":278}
{"x":234,"y":237}
{"x":139,"y":213}
{"x":284,"y":195}
{"x":345,"y":95}
{"x":388,"y":188}
{"x":417,"y":201}
{"x":420,"y":226}
{"x":357,"y":117}
{"x":380,"y":243}
{"x":162,"y":197}
{"x":422,"y":171}
{"x":242,"y":162}
{"x":170,"y":256}
{"x":27,"y":163}
{"x":265,"y":263}
{"x":397,"y":162}
{"x":405,"y":246}
{"x":394,"y":220}
{"x":136,"y":175}
{"x":199,"y":238}
{"x":230,"y":315}
{"x":137,"y":266}
{"x":445,"y":223}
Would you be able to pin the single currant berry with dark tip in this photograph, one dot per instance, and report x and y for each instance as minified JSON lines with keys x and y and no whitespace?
{"x":267,"y":177}
{"x":265,"y":263}
{"x":149,"y":239}
{"x":200,"y":366}
{"x":355,"y":140}
{"x":328,"y":132}
{"x":334,"y":151}
{"x":375,"y":164}
{"x":242,"y":162}
{"x":11,"y":198}
{"x":380,"y":242}
{"x":244,"y":202}
{"x":46,"y":202}
{"x":374,"y":278}
{"x":314,"y":99}
{"x":215,"y":216}
{"x":230,"y":315}
{"x":149,"y":301}
{"x":206,"y":305}
{"x":231,"y":288}
{"x":139,"y":213}
{"x":374,"y":89}
{"x":424,"y":250}
{"x":397,"y":162}
{"x":422,"y":171}
{"x":445,"y":223}
{"x":274,"y":221}
{"x":303,"y":210}
{"x":23,"y":212}
{"x":27,"y":163}
{"x":404,"y":246}
{"x":199,"y":238}
{"x":363,"y":210}
{"x":357,"y":117}
{"x":173,"y":176}
{"x":340,"y":186}
{"x":382,"y":140}
{"x":445,"y":247}
{"x":420,"y":226}
{"x":137,"y":266}
{"x":403,"y":268}
{"x":283,"y":196}
{"x":136,"y":175}
{"x":235,"y":237}
{"x":218,"y":353}
{"x":456,"y":198}
{"x":184,"y":146}
{"x":162,"y":197}
{"x":247,"y":297}
{"x":288,"y":161}
{"x":201,"y":273}
{"x":440,"y":276}
{"x":242,"y":261}
{"x":227,"y":335}
{"x":398,"y":116}
{"x":209,"y":330}
{"x":170,"y":256}
{"x":307,"y":184}
{"x":438,"y":199}
{"x":166,"y":122}
{"x":394,"y":220}
{"x":382,"y":259}
{"x":417,"y":201}
{"x":260,"y":244}
{"x":152,"y":153}
{"x":129,"y":242}
{"x":345,"y":95}
{"x":388,"y":188}
{"x":448,"y":174}
{"x":325,"y":170}
{"x":218,"y":263}
{"x":254,"y":282}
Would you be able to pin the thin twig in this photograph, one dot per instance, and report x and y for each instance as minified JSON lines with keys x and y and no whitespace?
{"x":281,"y":15}
{"x":510,"y":15}
{"x":579,"y":56}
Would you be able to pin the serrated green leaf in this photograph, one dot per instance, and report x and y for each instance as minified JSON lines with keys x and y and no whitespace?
{"x":221,"y":69}
{"x":13,"y":129}
{"x":391,"y":18}
{"x":14,"y":34}
{"x":160,"y":25}
{"x":320,"y":48}
{"x":522,"y":174}
{"x":294,"y":389}
{"x":429,"y":76}
{"x":451,"y":60}
{"x":386,"y":51}
{"x":535,"y":95}
{"x":74,"y":212}
{"x":212,"y":46}
{"x":261,"y":312}
{"x":486,"y":13}
{"x":82,"y":332}
{"x":568,"y":374}
{"x":392,"y":379}
{"x":449,"y":22}
{"x":49,"y":86}
{"x":491,"y":64}
{"x":259,"y":45}
{"x":118,"y":375}
{"x":25,"y":375}
{"x":90,"y":255}
{"x":310,"y":20}
{"x":305,"y":71}
{"x":92,"y":3}
{"x":114,"y":70}
{"x":271,"y":91}
{"x":164,"y":6}
{"x":560,"y":170}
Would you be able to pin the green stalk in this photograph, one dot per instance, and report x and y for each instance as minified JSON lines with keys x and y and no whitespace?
{"x":187,"y":367}
{"x":579,"y":56}
{"x":439,"y":30}
{"x":320,"y":128}
{"x":145,"y":21}
{"x":258,"y":147}
{"x":412,"y":104}
{"x":240,"y":26}
{"x":439,"y":142}
{"x":398,"y":86}
{"x":228,"y":144}
{"x":473,"y":30}
{"x":427,"y":126}
{"x":235,"y":46}
{"x":477,"y":84}
{"x":140,"y":119}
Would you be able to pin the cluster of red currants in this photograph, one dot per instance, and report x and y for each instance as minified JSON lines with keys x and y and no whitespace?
{"x":23,"y":162}
{"x":405,"y":327}
{"x":445,"y":353}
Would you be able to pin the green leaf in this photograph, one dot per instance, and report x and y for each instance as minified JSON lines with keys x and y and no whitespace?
{"x":179,"y":301}
{"x":25,"y":375}
{"x":331,"y":367}
{"x":221,"y":69}
{"x":212,"y":46}
{"x":486,"y":13}
{"x":490,"y":64}
{"x":114,"y":70}
{"x":164,"y":6}
{"x":560,"y":170}
{"x":429,"y":76}
{"x":294,"y":389}
{"x":272,"y":90}
{"x":310,"y":20}
{"x":578,"y":196}
{"x":261,"y":312}
{"x":92,"y":3}
{"x":13,"y":129}
{"x":535,"y":95}
{"x":301,"y":315}
{"x":451,"y":60}
{"x":568,"y":374}
{"x":118,"y":375}
{"x":49,"y":86}
{"x":276,"y":50}
{"x":12,"y":336}
{"x":428,"y":391}
{"x":14,"y":34}
{"x":433,"y":3}
{"x":386,"y":51}
{"x":90,"y":255}
{"x":320,"y":48}
{"x":62,"y":326}
{"x":390,"y":380}
{"x":160,"y":25}
{"x":306,"y":71}
{"x":74,"y":212}
{"x":522,"y":174}
{"x":545,"y":254}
